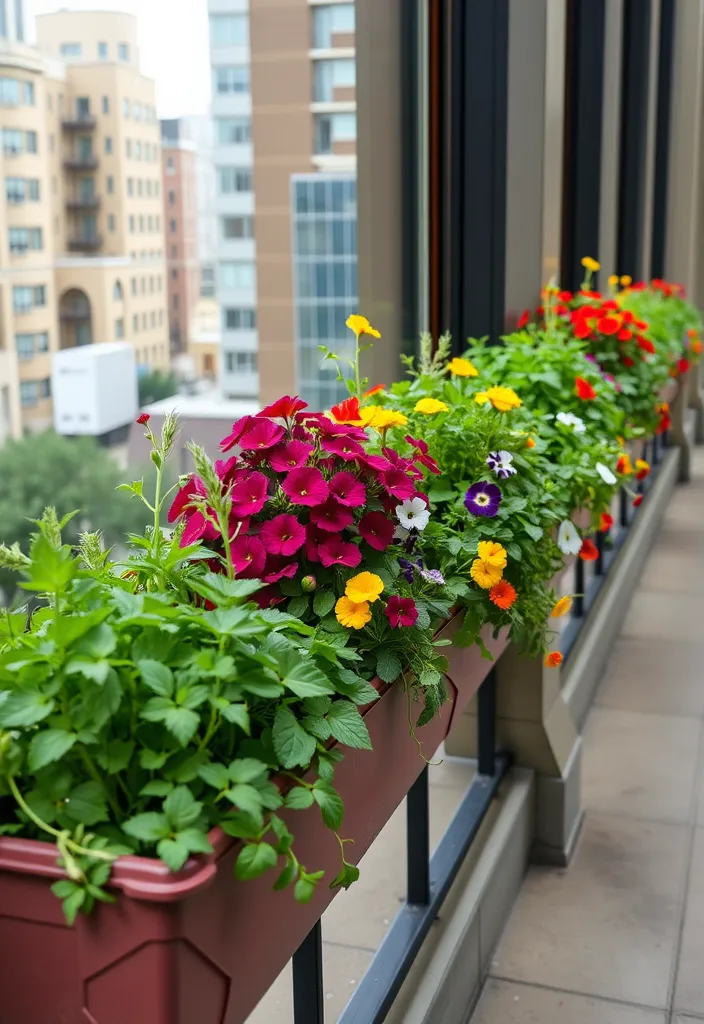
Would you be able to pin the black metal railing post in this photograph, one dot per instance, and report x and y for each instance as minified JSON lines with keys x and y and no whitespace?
{"x":308,"y":997}
{"x":486,"y":725}
{"x":578,"y":605}
{"x":623,"y":507}
{"x":599,"y":564}
{"x":418,"y":841}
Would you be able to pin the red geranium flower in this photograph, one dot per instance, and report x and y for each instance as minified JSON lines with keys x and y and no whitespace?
{"x":609,"y":305}
{"x":334,"y":551}
{"x":608,"y":325}
{"x":398,"y":483}
{"x":589,"y":551}
{"x":628,"y":362}
{"x":261,"y":434}
{"x":607,"y":521}
{"x":523,"y":319}
{"x":377,"y":530}
{"x":584,"y":389}
{"x":248,"y":556}
{"x":331,"y":516}
{"x":637,"y":500}
{"x":682,"y":365}
{"x":143,"y":418}
{"x":565,"y":296}
{"x":289,"y":456}
{"x":642,"y":325}
{"x":421,"y":454}
{"x":285,"y":407}
{"x":624,"y":334}
{"x":348,"y":490}
{"x":344,"y":447}
{"x":249,"y":494}
{"x":347,"y":411}
{"x":238,"y":429}
{"x":645,"y":343}
{"x":581,"y":328}
{"x":305,"y":486}
{"x":401,"y":611}
{"x":375,"y":390}
{"x":282,"y":535}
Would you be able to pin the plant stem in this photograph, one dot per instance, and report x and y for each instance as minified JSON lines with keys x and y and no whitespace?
{"x":357,"y":381}
{"x":157,"y":505}
{"x":95,"y":775}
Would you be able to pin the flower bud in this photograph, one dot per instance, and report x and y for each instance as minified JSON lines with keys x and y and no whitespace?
{"x":155,"y":456}
{"x":308,"y":584}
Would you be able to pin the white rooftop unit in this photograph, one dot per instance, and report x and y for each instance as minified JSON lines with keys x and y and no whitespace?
{"x":94,"y":388}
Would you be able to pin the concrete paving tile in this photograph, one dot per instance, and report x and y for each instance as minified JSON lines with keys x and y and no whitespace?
{"x":649,"y":676}
{"x":689,"y":987}
{"x":504,"y":1002}
{"x":657,"y":615}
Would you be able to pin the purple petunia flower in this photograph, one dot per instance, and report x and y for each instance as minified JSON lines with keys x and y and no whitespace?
{"x":483,"y":499}
{"x":433,"y":576}
{"x":407,"y":569}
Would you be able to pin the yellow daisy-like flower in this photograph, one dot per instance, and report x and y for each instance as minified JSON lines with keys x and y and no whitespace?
{"x":485,"y":574}
{"x":364,"y":587}
{"x":353,"y":614}
{"x":590,"y":264}
{"x":613,"y":280}
{"x":492,"y":552}
{"x":561,"y":608}
{"x":626,"y":280}
{"x":502,"y":399}
{"x":360,"y":325}
{"x":462,"y":368}
{"x":430,"y":406}
{"x":381,"y":419}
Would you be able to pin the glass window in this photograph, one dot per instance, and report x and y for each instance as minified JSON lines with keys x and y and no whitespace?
{"x":235,"y":179}
{"x":234,"y":276}
{"x":111,"y":222}
{"x":233,"y":131}
{"x":137,"y":111}
{"x":28,"y":93}
{"x":3,"y":19}
{"x":328,"y":19}
{"x":19,"y":20}
{"x":135,"y":323}
{"x":24,"y":344}
{"x":28,"y":392}
{"x":108,"y":144}
{"x":131,"y":222}
{"x":12,"y":141}
{"x":229,"y":30}
{"x":138,"y":150}
{"x":110,"y":184}
{"x":241,"y":362}
{"x":22,"y":239}
{"x":329,"y":75}
{"x":139,"y":186}
{"x":106,"y":104}
{"x":231,"y":79}
{"x":126,"y":108}
{"x":128,"y":148}
{"x":123,"y":51}
{"x":240,"y":319}
{"x":172,"y":226}
{"x":9,"y":91}
{"x":31,"y":142}
{"x":331,"y":128}
{"x":130,"y":186}
{"x":237,"y":227}
{"x":119,"y":328}
{"x":103,"y":51}
{"x":70,"y":49}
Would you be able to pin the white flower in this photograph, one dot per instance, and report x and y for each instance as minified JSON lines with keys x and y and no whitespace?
{"x":500,"y":462}
{"x":570,"y":420}
{"x":568,"y":539}
{"x":400,"y":533}
{"x":605,"y":473}
{"x":413,"y":514}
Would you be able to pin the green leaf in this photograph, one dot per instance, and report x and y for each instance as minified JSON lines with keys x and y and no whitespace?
{"x":234,"y":622}
{"x":87,"y":804}
{"x":287,"y":876}
{"x":72,"y":904}
{"x":323,"y":603}
{"x":237,"y":714}
{"x":158,"y":787}
{"x":305,"y":888}
{"x":357,"y":689}
{"x":388,"y":667}
{"x":181,"y":808}
{"x":182,"y":723}
{"x":192,"y":696}
{"x":293,"y":745}
{"x":318,"y":727}
{"x":347,"y":876}
{"x":173,"y":852}
{"x":254,"y":860}
{"x":304,"y":678}
{"x":330,"y":803}
{"x":152,"y":760}
{"x":95,"y":670}
{"x":48,"y":746}
{"x":25,"y":708}
{"x":215,"y":775}
{"x":299,"y":798}
{"x":247,"y":799}
{"x":159,"y":678}
{"x":148,"y":828}
{"x":116,"y":756}
{"x":195,"y":840}
{"x":246,"y":769}
{"x":241,"y":826}
{"x":98,"y":642}
{"x":261,"y":682}
{"x":298,"y":606}
{"x":347,"y":725}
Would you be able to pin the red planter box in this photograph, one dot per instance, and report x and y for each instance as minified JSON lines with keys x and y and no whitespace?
{"x":200,"y":947}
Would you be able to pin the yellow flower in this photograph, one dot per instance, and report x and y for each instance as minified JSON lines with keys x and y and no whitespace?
{"x":491,"y":551}
{"x":626,"y":280}
{"x":462,"y":368}
{"x":360,"y":325}
{"x":430,"y":406}
{"x":613,"y":280}
{"x":353,"y":614}
{"x":590,"y":264}
{"x":364,"y":587}
{"x":381,"y":419}
{"x":502,"y":399}
{"x":485,"y":574}
{"x":561,"y":608}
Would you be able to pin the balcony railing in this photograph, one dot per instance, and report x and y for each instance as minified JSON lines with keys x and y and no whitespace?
{"x":74,"y":314}
{"x":83,"y":203}
{"x":80,"y":243}
{"x":80,"y":123}
{"x":79,"y":162}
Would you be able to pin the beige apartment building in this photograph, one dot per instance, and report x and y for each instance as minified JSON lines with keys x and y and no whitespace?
{"x":81,"y":228}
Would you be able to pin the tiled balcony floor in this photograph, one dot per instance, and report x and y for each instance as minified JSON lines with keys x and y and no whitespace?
{"x":618,"y":937}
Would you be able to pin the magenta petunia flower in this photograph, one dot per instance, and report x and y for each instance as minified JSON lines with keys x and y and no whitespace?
{"x":331,"y":516}
{"x":285,"y":407}
{"x":398,"y":483}
{"x":238,"y":428}
{"x":278,"y":569}
{"x":344,"y":447}
{"x":291,"y":455}
{"x":376,"y":463}
{"x":249,"y":494}
{"x":348,"y":490}
{"x":248,"y":556}
{"x":421,"y":454}
{"x":377,"y":530}
{"x":282,"y":535}
{"x":314,"y":538}
{"x":305,"y":486}
{"x":334,"y":551}
{"x":197,"y":528}
{"x":401,"y":611}
{"x":260,"y":435}
{"x":184,"y":496}
{"x":228,"y":469}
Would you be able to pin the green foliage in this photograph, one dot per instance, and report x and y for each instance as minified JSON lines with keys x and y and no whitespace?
{"x":156,"y":385}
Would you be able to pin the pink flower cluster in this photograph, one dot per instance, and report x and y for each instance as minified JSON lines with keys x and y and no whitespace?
{"x":305,"y":490}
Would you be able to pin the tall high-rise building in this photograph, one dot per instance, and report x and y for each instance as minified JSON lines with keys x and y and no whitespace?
{"x":236,"y":272}
{"x":81,"y":225}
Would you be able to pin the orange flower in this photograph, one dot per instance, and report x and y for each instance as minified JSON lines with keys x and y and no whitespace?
{"x":503,"y":595}
{"x":696,"y":346}
{"x":347,"y":412}
{"x":553,"y":659}
{"x":607,"y":521}
{"x":637,"y":500}
{"x":374,"y":391}
{"x":624,"y":466}
{"x":589,"y":551}
{"x":642,"y":469}
{"x":691,"y":332}
{"x":584,"y":389}
{"x":561,"y":608}
{"x":530,"y":443}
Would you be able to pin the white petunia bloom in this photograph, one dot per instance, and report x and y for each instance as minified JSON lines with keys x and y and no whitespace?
{"x":568,"y":539}
{"x":413,"y":514}
{"x":568,"y":419}
{"x":605,"y":473}
{"x":401,"y":533}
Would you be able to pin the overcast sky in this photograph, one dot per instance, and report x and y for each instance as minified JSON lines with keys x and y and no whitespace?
{"x":173,"y":42}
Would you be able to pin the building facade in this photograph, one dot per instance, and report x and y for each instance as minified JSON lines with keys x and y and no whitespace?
{"x":236,"y":271}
